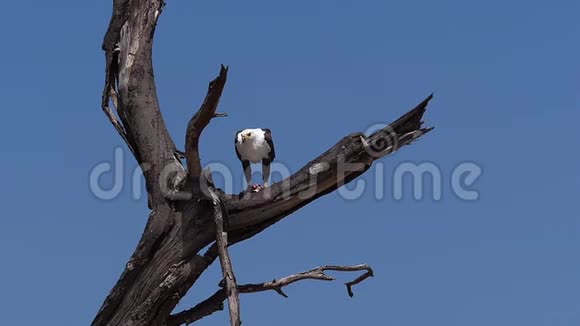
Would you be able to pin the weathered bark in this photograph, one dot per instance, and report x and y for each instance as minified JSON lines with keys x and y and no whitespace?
{"x":168,"y":260}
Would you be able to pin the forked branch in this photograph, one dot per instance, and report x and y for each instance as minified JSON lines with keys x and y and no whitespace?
{"x":215,"y":302}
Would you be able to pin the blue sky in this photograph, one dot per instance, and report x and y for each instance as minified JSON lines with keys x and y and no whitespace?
{"x":505,"y":77}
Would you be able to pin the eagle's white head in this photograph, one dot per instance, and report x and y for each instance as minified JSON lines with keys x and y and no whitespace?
{"x":255,"y":136}
{"x":252,"y":145}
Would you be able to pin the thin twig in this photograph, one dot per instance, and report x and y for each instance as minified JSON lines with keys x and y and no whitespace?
{"x":215,"y":302}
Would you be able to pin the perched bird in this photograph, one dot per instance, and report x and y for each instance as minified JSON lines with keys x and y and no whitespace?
{"x":254,"y":146}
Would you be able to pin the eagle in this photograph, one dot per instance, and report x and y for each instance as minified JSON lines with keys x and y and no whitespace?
{"x":255,"y":146}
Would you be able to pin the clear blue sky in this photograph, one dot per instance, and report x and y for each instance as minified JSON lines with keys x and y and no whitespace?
{"x":506,"y":81}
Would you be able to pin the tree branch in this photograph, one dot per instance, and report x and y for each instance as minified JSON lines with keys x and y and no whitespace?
{"x":200,"y":120}
{"x":225,"y":261}
{"x":215,"y":302}
{"x":110,"y":46}
{"x":130,"y":84}
{"x":250,"y":213}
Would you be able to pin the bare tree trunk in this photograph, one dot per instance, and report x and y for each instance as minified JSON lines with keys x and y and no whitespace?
{"x":187,"y":212}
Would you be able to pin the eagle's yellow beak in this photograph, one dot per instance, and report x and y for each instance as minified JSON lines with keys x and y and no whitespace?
{"x":246,"y":137}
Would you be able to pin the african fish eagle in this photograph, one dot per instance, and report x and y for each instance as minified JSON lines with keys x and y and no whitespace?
{"x":254,"y":146}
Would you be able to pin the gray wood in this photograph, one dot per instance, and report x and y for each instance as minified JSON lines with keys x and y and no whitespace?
{"x":168,"y":259}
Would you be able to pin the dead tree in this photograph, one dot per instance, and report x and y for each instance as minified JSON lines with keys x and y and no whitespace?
{"x":187,"y":212}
